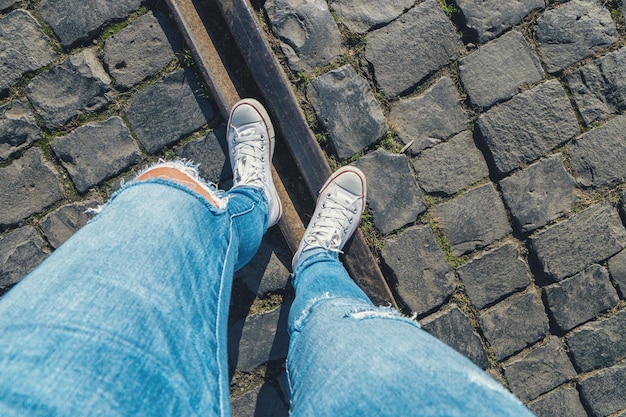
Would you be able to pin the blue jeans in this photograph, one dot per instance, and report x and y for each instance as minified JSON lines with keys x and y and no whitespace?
{"x":129,"y":317}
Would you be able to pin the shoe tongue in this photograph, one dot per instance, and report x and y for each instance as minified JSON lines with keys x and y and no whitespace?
{"x":344,"y":196}
{"x":250,"y":131}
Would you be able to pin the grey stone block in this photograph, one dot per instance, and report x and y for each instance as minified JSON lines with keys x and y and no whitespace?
{"x":514,"y":324}
{"x":77,"y":86}
{"x":168,"y":110}
{"x":308,"y":33}
{"x":268,"y":270}
{"x":425,"y":280}
{"x":258,"y":339}
{"x":24,"y":47}
{"x":76,"y":21}
{"x":431,"y":117}
{"x":451,"y":166}
{"x":474,"y":219}
{"x":362,"y":15}
{"x":392,"y":193}
{"x":5,"y":4}
{"x":539,"y":194}
{"x":597,"y":157}
{"x":490,"y":18}
{"x":262,"y":401}
{"x":527,"y":126}
{"x":539,"y":371}
{"x":18,"y":128}
{"x":96,"y":152}
{"x":563,"y":401}
{"x":411,"y":47}
{"x":453,"y":328}
{"x":599,"y":344}
{"x":21,"y":250}
{"x":580,"y":298}
{"x":210,"y":153}
{"x":28,"y":186}
{"x":588,"y":237}
{"x":353,"y":119}
{"x":599,"y":88}
{"x":496,"y":71}
{"x":139,"y":50}
{"x":574,"y":31}
{"x":604,"y":391}
{"x":63,"y":222}
{"x":494,"y":275}
{"x":617,"y":268}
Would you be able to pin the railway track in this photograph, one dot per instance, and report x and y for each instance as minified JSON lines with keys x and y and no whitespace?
{"x":304,"y":154}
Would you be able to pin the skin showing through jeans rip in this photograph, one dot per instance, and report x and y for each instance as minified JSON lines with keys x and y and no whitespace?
{"x":169,"y":173}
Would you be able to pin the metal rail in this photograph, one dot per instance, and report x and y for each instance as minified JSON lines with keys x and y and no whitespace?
{"x":288,"y":118}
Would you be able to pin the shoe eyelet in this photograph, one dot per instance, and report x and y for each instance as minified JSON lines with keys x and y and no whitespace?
{"x":350,"y":220}
{"x":328,"y":195}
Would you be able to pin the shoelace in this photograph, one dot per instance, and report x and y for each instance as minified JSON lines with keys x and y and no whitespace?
{"x":335,"y":217}
{"x":249,"y":152}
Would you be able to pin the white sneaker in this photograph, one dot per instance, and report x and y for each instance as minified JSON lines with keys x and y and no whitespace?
{"x":251,"y":148}
{"x":340,"y":204}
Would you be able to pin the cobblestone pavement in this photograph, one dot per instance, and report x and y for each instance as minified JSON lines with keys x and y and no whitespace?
{"x":493,"y":136}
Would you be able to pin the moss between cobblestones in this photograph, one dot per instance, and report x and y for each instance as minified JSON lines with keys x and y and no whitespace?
{"x":243,"y":382}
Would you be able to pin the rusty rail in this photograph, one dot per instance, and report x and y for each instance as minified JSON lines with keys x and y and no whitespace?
{"x":288,"y":118}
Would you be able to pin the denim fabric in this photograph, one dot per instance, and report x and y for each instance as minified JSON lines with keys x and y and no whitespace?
{"x":129,"y":316}
{"x":350,"y":358}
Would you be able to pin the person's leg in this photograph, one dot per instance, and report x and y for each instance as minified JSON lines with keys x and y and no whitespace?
{"x":129,"y":316}
{"x":348,"y":357}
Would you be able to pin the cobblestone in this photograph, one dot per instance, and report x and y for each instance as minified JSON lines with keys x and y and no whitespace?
{"x":474,"y":219}
{"x":573,"y":31}
{"x":527,"y":126}
{"x":451,"y":166}
{"x":96,"y":152}
{"x":21,"y":250}
{"x":617,"y":268}
{"x":23,"y":47}
{"x":411,"y":47}
{"x":63,"y":222}
{"x":75,"y":21}
{"x":514,"y":324}
{"x":497,"y":70}
{"x":18,"y":128}
{"x":563,"y":401}
{"x":489,"y":19}
{"x":150,"y":110}
{"x":354,"y":120}
{"x":597,"y":157}
{"x":539,"y":371}
{"x":140,"y":50}
{"x":363,"y":15}
{"x":599,"y":344}
{"x":599,"y":88}
{"x":5,"y":4}
{"x":590,"y":236}
{"x":424,"y":278}
{"x":577,"y":299}
{"x":453,"y":328}
{"x":539,"y":194}
{"x":210,"y":153}
{"x":431,"y":117}
{"x":494,"y":275}
{"x":604,"y":391}
{"x":28,"y":186}
{"x":258,"y":339}
{"x":308,"y":33}
{"x":81,"y":82}
{"x":389,"y":178}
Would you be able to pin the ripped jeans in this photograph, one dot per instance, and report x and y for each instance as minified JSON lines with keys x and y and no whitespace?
{"x":129,"y":318}
{"x":350,"y":358}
